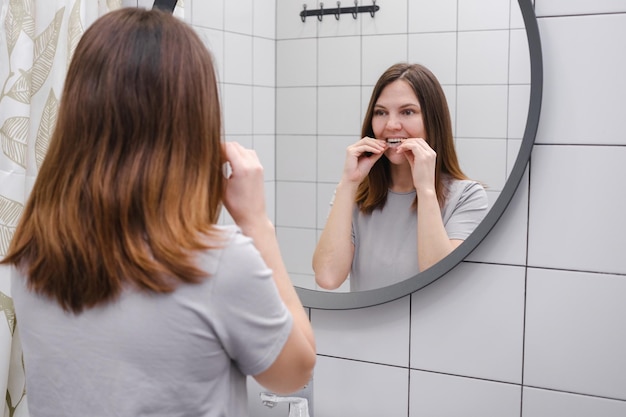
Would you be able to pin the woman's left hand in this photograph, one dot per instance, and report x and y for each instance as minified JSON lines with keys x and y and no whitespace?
{"x":422,"y":159}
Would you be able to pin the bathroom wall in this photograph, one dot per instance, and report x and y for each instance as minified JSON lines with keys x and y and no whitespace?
{"x":532,"y":323}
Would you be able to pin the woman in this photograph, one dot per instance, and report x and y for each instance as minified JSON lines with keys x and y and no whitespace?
{"x":402,"y":203}
{"x":131,"y":301}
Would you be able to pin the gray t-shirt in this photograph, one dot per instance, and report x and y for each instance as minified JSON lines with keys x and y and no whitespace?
{"x":181,"y":354}
{"x":385,"y":241}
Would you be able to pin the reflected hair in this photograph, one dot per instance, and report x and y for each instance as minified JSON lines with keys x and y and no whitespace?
{"x":131,"y":187}
{"x":372,"y":192}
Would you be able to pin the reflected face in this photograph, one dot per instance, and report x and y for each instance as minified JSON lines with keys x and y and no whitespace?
{"x":397,"y":115}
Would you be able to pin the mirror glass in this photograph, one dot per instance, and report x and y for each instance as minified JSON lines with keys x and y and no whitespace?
{"x":325,"y":72}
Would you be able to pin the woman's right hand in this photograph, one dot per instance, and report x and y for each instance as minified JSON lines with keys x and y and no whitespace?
{"x":361,"y":157}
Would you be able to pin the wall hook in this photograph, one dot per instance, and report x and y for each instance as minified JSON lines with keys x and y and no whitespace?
{"x":373,"y":9}
{"x":338,"y":12}
{"x":303,"y":14}
{"x":356,"y":9}
{"x":321,"y":15}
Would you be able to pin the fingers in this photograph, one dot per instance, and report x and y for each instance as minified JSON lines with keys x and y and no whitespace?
{"x":367,"y":146}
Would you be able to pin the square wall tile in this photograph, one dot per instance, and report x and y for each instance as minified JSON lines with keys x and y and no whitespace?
{"x":540,"y":403}
{"x":470,"y":323}
{"x":517,"y":19}
{"x":264,"y":59}
{"x":264,"y":110}
{"x":264,"y":18}
{"x":379,"y":53}
{"x":572,"y":43}
{"x":519,"y":58}
{"x":296,"y":63}
{"x":296,"y":111}
{"x":575,"y":336}
{"x":238,"y":16}
{"x":208,"y":13}
{"x":481,"y":111}
{"x":506,"y":242}
{"x":374,"y":334}
{"x":350,"y":388}
{"x":484,"y":14}
{"x":484,"y":160}
{"x":577,"y":206}
{"x":339,"y":61}
{"x":331,"y":156}
{"x":483,"y":57}
{"x":295,"y":204}
{"x":583,"y":7}
{"x":519,"y":106}
{"x":437,"y":52}
{"x":296,"y":158}
{"x":390,"y":18}
{"x":432,"y":16}
{"x":237,"y":58}
{"x":289,"y":24}
{"x":437,"y":395}
{"x":237,"y":105}
{"x":339,"y":111}
{"x":296,"y":247}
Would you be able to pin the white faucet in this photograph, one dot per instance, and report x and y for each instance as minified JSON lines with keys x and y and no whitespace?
{"x":298,"y":406}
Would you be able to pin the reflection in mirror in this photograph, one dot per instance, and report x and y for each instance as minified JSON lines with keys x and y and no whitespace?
{"x":325,"y":74}
{"x":403,"y":203}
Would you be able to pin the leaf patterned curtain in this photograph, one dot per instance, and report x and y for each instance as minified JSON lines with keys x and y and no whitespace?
{"x":37,"y":39}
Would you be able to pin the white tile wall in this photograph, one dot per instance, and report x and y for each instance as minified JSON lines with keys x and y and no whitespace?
{"x":435,"y":394}
{"x":487,"y":120}
{"x":380,"y":52}
{"x":483,"y":57}
{"x":483,"y":14}
{"x":432,"y":16}
{"x":339,"y":61}
{"x":571,"y":226}
{"x":574,"y":338}
{"x":296,"y":158}
{"x":352,"y":388}
{"x":391,"y":18}
{"x":581,"y":7}
{"x":437,"y":51}
{"x":338,"y":110}
{"x":471,"y":323}
{"x":237,"y":58}
{"x":377,"y":334}
{"x":541,"y":402}
{"x":295,"y":205}
{"x":238,"y":16}
{"x":584,"y":79}
{"x":484,"y":160}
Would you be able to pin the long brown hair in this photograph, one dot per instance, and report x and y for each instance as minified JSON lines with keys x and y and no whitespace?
{"x":131,"y":185}
{"x":372,"y":192}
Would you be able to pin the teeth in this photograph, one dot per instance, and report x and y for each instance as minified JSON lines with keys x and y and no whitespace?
{"x":394,"y":141}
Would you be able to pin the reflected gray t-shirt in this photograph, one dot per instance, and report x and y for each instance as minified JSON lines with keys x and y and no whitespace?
{"x":385,"y":241}
{"x":181,"y":354}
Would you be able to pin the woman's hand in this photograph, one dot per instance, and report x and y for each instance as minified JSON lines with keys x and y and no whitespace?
{"x":422,"y":159}
{"x":245,"y":196}
{"x":361,"y":157}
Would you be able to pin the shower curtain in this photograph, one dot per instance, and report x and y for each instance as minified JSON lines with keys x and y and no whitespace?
{"x":37,"y":39}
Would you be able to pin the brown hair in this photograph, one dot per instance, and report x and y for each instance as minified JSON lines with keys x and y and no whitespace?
{"x":131,"y":185}
{"x":372,"y":192}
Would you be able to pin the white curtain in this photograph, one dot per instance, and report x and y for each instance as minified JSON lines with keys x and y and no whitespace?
{"x":37,"y":39}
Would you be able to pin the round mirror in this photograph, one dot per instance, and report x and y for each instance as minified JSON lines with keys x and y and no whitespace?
{"x":491,"y":72}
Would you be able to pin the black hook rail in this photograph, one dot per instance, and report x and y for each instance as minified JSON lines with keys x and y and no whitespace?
{"x":337,"y":11}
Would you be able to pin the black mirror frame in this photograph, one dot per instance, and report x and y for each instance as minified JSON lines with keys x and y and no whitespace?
{"x":327,"y":300}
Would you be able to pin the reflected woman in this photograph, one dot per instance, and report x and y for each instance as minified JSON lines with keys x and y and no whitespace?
{"x":402,"y":203}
